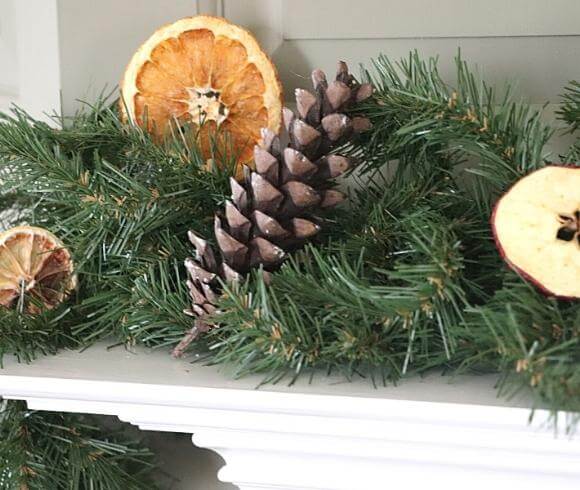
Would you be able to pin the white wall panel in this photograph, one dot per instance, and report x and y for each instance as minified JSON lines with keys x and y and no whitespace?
{"x":29,"y":63}
{"x":8,"y":48}
{"x":84,"y":45}
{"x":262,"y":17}
{"x":534,"y":43}
{"x":363,"y":19}
{"x":99,"y":37}
{"x":539,"y":66}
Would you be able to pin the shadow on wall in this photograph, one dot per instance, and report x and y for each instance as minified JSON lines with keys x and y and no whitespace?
{"x":182,"y":466}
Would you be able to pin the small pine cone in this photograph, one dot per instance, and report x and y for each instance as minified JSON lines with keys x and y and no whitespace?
{"x":272,"y":210}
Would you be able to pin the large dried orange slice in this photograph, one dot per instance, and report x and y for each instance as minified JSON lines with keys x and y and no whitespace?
{"x":206,"y":74}
{"x":36,"y":270}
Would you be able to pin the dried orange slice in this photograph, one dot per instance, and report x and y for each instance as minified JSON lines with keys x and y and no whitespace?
{"x":36,"y":271}
{"x":205,"y":73}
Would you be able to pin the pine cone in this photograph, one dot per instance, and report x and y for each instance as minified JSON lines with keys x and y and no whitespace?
{"x":272,"y":211}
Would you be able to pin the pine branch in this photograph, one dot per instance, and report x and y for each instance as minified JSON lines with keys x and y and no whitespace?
{"x":531,"y":339}
{"x":162,"y":297}
{"x":570,"y":113}
{"x":570,"y":109}
{"x":120,"y":202}
{"x":385,"y":308}
{"x":41,"y":450}
{"x":415,"y":112}
{"x":27,"y":337}
{"x":378,"y":299}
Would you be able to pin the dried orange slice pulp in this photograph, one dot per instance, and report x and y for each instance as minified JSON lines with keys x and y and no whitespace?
{"x":35,"y":267}
{"x":209,"y":73}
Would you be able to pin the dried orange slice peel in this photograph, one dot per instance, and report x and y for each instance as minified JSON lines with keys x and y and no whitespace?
{"x":36,"y":270}
{"x":206,"y":73}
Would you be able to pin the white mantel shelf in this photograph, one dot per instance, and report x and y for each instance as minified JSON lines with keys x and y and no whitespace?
{"x":325,"y":435}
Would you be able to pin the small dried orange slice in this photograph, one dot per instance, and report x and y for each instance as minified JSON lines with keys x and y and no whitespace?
{"x":36,"y":270}
{"x":206,"y":74}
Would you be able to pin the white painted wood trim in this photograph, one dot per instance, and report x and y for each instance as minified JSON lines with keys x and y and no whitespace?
{"x":35,"y":50}
{"x":388,"y":19}
{"x":312,"y":437}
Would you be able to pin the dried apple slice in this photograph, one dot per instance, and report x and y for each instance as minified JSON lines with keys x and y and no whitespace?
{"x":536,"y":226}
{"x":36,"y":270}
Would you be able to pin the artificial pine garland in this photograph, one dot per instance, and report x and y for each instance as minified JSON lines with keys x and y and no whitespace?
{"x":123,"y":204}
{"x":418,"y":282}
{"x":43,"y":450}
{"x":404,"y":279}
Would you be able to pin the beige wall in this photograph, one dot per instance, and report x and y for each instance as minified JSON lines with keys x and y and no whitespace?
{"x":97,"y":39}
{"x":533,"y":42}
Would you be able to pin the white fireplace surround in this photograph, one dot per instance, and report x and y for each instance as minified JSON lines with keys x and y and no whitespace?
{"x":449,"y":433}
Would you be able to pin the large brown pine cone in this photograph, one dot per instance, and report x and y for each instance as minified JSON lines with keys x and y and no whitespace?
{"x":272,"y":210}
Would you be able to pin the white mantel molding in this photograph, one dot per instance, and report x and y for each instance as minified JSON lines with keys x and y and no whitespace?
{"x":320,"y":436}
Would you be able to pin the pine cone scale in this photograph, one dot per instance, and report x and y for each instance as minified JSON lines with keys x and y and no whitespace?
{"x":267,"y":198}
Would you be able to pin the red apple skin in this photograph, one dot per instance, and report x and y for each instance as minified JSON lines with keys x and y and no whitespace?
{"x":523,"y":274}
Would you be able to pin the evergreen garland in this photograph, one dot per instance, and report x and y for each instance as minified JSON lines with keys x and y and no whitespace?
{"x":44,"y":450}
{"x":122,"y":203}
{"x":418,"y":282}
{"x":404,"y":279}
